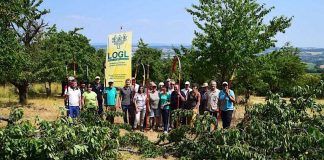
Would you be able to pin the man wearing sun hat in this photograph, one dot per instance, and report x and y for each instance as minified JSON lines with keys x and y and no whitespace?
{"x":203,"y":98}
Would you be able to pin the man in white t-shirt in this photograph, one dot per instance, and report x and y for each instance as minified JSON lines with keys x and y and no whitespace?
{"x":212,"y":100}
{"x":73,"y":96}
{"x":187,"y":89}
{"x":135,"y":85}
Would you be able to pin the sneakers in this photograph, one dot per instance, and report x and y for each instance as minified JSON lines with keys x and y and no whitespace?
{"x":165,"y":132}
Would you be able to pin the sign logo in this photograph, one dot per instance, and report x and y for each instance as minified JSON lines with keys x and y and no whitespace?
{"x":118,"y":40}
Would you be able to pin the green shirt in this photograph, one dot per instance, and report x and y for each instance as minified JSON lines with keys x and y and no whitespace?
{"x":164,"y":99}
{"x":90,"y":99}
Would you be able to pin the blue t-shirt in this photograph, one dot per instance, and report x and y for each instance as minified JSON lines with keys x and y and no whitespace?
{"x":225,"y":102}
{"x":111,"y":94}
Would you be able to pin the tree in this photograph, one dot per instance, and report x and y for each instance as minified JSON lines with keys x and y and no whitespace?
{"x":68,"y":48}
{"x":152,"y":57}
{"x":231,"y":31}
{"x":24,"y":26}
{"x":282,"y":70}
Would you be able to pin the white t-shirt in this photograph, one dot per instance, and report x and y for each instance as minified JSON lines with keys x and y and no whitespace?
{"x":140,"y":100}
{"x":74,"y":96}
{"x":186,"y":92}
{"x":136,"y":87}
{"x":213,"y":96}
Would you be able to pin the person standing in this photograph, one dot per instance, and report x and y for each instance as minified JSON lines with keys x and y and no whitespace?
{"x":226,"y":100}
{"x":83,"y":87}
{"x":135,"y":85}
{"x":154,"y":100}
{"x":73,"y":96}
{"x":203,"y":99}
{"x":161,"y":84}
{"x":213,"y":98}
{"x":187,"y":88}
{"x":126,"y":99}
{"x":89,"y":99}
{"x":171,"y":87}
{"x":192,"y":103}
{"x":110,"y":96}
{"x":178,"y":99}
{"x":98,"y":88}
{"x":140,"y":108}
{"x":165,"y":106}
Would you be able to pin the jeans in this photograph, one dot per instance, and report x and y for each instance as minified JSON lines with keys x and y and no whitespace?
{"x":140,"y":115}
{"x":165,"y":118}
{"x":128,"y":110}
{"x":74,"y":111}
{"x":227,"y":118}
{"x":100,"y":108}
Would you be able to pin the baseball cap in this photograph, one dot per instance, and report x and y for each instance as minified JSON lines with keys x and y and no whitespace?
{"x":225,"y":83}
{"x":168,"y":80}
{"x":71,"y":78}
{"x":97,"y":77}
{"x":110,"y":80}
{"x":187,"y":82}
{"x":161,"y":84}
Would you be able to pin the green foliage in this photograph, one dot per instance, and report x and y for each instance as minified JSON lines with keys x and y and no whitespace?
{"x":158,"y":67}
{"x":230,"y":32}
{"x":270,"y":72}
{"x":66,"y":48}
{"x":275,"y":130}
{"x":276,"y":74}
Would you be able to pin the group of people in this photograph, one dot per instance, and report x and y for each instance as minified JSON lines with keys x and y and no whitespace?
{"x":151,"y":106}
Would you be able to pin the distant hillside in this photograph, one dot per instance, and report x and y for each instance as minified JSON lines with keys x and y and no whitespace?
{"x":310,"y":55}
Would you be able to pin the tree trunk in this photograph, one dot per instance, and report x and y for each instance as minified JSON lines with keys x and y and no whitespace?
{"x":48,"y":89}
{"x":23,"y":89}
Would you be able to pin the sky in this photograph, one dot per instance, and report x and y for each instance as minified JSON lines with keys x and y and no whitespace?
{"x":167,"y":22}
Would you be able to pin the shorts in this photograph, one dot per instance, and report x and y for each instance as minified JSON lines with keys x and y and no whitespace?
{"x":155,"y":113}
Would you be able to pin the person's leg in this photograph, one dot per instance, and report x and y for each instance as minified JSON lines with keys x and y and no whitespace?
{"x":77,"y":111}
{"x":100,"y":108}
{"x":229,"y":118}
{"x":165,"y":116}
{"x":112,"y":118}
{"x":142,"y":116}
{"x":168,"y":119}
{"x":131,"y":114}
{"x":71,"y":110}
{"x":125,"y":110}
{"x":157,"y":116}
{"x":226,"y":118}
{"x":137,"y":119}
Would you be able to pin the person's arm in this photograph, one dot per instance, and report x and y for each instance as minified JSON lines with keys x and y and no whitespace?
{"x":182,"y":97}
{"x":134,"y":101}
{"x":230,"y":96}
{"x":198,"y":100}
{"x":82,"y":100}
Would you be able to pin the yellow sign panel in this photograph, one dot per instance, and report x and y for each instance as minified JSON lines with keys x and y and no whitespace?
{"x":119,"y":58}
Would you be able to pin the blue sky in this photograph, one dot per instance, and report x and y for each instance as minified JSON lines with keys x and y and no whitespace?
{"x":167,"y":22}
